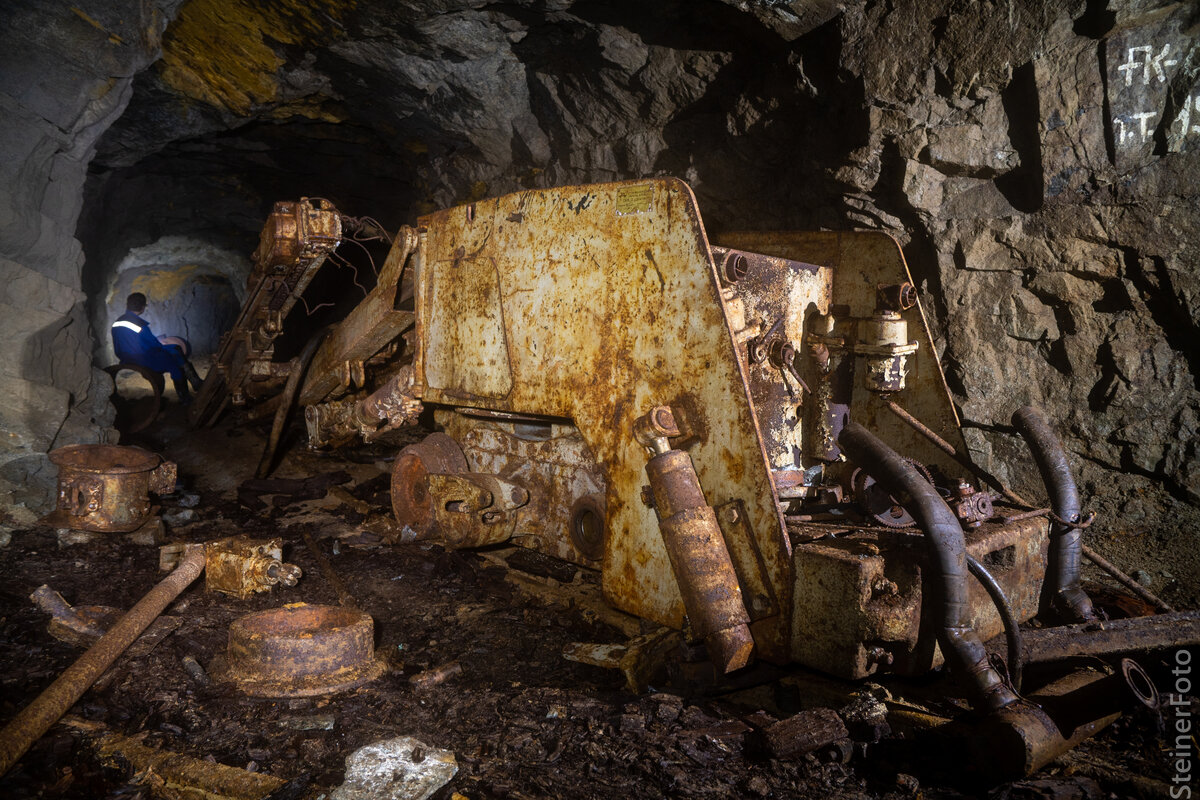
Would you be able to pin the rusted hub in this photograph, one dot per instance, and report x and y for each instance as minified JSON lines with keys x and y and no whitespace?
{"x":302,"y":650}
{"x":411,"y":503}
{"x":104,"y":487}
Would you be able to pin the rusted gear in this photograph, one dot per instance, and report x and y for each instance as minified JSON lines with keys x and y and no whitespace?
{"x":437,"y":453}
{"x":878,"y":504}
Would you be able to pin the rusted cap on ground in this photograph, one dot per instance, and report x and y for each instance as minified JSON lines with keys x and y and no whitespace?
{"x":301,"y":650}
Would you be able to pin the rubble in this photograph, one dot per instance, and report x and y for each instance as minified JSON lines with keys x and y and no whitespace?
{"x":403,"y":768}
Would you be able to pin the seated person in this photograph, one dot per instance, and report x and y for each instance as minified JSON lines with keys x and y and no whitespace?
{"x":135,"y":344}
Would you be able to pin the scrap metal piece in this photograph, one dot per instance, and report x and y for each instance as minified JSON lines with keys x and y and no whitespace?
{"x":105,"y":487}
{"x":473,"y":509}
{"x":436,"y":676}
{"x":638,"y":659}
{"x":178,"y":775}
{"x":28,"y":726}
{"x":241,"y":566}
{"x":301,"y":650}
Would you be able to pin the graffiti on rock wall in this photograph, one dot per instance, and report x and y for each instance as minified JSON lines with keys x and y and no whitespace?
{"x":1149,"y":70}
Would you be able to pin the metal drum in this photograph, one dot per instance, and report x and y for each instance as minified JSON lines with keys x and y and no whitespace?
{"x":105,"y":487}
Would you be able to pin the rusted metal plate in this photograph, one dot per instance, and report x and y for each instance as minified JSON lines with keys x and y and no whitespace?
{"x":598,"y":303}
{"x":105,"y":487}
{"x":859,"y":600}
{"x":301,"y":650}
{"x":861,"y":263}
{"x":376,"y":322}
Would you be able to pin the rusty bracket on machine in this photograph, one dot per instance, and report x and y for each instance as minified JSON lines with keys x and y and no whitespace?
{"x":473,"y":509}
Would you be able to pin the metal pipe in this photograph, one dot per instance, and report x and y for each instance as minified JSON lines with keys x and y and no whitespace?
{"x":1129,"y":583}
{"x":1012,"y":626}
{"x":964,"y":652}
{"x":37,"y":717}
{"x":950,"y":450}
{"x":288,"y":400}
{"x":1062,"y":594}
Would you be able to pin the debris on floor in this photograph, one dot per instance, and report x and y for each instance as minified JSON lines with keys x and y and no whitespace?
{"x":403,"y":768}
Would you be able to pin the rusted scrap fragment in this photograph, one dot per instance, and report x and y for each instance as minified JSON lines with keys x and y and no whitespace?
{"x":638,"y":659}
{"x":83,"y":625}
{"x":314,"y":488}
{"x":241,"y":566}
{"x":179,"y":775}
{"x":1178,"y":629}
{"x":436,"y":676}
{"x":61,"y":612}
{"x":801,"y":733}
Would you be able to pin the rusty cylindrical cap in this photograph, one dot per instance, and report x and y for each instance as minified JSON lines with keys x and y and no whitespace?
{"x":301,"y":650}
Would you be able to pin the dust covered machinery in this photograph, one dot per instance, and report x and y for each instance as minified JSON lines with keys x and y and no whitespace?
{"x":716,"y":428}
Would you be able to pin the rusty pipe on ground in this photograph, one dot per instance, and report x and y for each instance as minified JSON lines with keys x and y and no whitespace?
{"x":1062,"y":594}
{"x":37,"y":717}
{"x":947,"y":548}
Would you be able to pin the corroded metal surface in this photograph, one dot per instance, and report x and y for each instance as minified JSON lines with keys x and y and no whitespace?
{"x":302,"y":650}
{"x":859,"y":595}
{"x":860,"y":265}
{"x":411,"y":501}
{"x":28,"y":726}
{"x":294,"y":244}
{"x":1175,"y":629}
{"x":594,"y":304}
{"x":241,"y":566}
{"x":105,"y":487}
{"x":376,"y":323}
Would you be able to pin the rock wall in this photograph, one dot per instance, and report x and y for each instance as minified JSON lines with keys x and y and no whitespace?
{"x":68,"y":72}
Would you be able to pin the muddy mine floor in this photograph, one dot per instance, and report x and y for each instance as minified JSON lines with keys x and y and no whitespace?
{"x":521,"y":720}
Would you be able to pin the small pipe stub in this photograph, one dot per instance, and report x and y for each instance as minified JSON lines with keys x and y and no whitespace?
{"x":301,"y":650}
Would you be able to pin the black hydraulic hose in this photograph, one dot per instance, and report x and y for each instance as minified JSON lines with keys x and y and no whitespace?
{"x":1062,"y":594}
{"x":964,"y":652}
{"x":288,"y":400}
{"x":1012,"y":628}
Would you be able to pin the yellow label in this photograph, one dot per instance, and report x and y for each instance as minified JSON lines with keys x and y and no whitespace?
{"x":634,"y":199}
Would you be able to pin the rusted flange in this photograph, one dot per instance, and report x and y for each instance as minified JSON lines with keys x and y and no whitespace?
{"x":437,"y":453}
{"x":301,"y":650}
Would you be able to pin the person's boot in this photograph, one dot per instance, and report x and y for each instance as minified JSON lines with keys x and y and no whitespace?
{"x":181,"y":389}
{"x":192,"y":376}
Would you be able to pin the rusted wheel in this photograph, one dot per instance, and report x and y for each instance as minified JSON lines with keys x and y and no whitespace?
{"x":411,"y":503}
{"x":135,"y":412}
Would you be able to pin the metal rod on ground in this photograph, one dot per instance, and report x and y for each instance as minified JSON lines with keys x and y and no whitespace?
{"x":1129,"y":583}
{"x":36,"y":718}
{"x":344,"y":597}
{"x":1158,"y":632}
{"x":949,"y":450}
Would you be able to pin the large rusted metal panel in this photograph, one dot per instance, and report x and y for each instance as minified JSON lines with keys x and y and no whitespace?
{"x":595,"y":304}
{"x":858,"y":263}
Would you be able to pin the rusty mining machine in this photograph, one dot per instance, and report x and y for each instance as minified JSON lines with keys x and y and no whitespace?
{"x":752,"y":442}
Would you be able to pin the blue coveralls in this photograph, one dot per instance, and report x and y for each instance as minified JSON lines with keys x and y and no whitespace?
{"x":135,"y":344}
